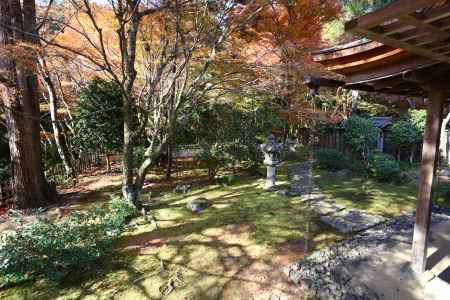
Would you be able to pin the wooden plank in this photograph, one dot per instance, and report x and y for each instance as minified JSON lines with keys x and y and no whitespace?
{"x":435,"y":14}
{"x":389,"y":12}
{"x":437,"y":47}
{"x":437,"y":20}
{"x":367,"y":60}
{"x":410,"y":34}
{"x":429,"y":159}
{"x":399,"y":44}
{"x":338,"y":53}
{"x":410,"y":20}
{"x":393,"y":28}
{"x":391,"y":70}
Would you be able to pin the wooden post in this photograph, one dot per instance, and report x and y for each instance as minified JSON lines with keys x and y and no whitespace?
{"x":429,"y":158}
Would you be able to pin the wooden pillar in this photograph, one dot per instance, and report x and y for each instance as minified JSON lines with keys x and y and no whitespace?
{"x":429,"y":158}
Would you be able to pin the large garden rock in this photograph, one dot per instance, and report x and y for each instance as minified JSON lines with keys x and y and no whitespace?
{"x":197,"y":205}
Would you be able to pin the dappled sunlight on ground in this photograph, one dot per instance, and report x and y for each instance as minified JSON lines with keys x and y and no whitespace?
{"x":236,"y":249}
{"x":387,"y":199}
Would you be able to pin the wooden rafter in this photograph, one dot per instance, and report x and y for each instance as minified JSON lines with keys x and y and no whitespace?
{"x":390,"y":12}
{"x":420,"y":27}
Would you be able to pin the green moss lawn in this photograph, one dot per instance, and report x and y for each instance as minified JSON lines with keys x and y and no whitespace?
{"x":236,"y":249}
{"x":384,"y":198}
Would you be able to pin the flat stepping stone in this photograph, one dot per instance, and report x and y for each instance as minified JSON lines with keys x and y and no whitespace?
{"x":347,"y":221}
{"x":313,"y":197}
{"x":323,"y":207}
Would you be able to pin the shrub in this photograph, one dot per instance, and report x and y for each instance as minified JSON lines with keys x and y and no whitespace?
{"x":384,"y":167}
{"x":227,"y":180}
{"x":362,"y":135}
{"x":358,"y":167}
{"x":301,"y":153}
{"x":330,"y":159}
{"x":54,"y":249}
{"x":212,"y":157}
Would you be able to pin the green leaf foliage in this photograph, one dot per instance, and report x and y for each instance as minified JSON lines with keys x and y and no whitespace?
{"x":334,"y":31}
{"x":330,"y":159}
{"x":99,"y":119}
{"x":418,"y":119}
{"x":357,"y":8}
{"x":54,"y":249}
{"x":408,"y":130}
{"x":227,"y":132}
{"x":362,"y":135}
{"x":383,"y":167}
{"x":403,"y":134}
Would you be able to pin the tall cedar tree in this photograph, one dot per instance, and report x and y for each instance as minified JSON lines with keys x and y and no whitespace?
{"x":19,"y":88}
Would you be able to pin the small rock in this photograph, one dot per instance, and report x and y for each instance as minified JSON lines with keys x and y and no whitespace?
{"x":283,"y":192}
{"x":293,"y":193}
{"x":343,"y":173}
{"x":197,"y":205}
{"x":182,"y":188}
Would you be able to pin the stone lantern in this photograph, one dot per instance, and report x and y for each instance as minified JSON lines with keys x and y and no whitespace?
{"x":291,"y":144}
{"x":272,"y":152}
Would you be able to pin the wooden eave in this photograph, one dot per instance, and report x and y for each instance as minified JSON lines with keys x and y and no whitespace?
{"x":405,"y":37}
{"x":421,"y":27}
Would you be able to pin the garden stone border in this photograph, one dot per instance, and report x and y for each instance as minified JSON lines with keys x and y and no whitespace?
{"x":325,"y":273}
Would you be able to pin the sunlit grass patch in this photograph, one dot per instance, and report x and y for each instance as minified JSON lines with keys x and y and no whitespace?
{"x":387,"y":199}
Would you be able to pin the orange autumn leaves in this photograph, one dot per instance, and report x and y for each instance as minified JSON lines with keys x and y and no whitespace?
{"x":269,"y":46}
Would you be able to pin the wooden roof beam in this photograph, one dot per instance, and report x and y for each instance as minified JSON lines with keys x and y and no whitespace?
{"x":439,"y":46}
{"x":401,"y":27}
{"x":436,"y":77}
{"x":410,"y":20}
{"x":389,"y":71}
{"x":389,"y":12}
{"x":434,"y":14}
{"x":399,"y":44}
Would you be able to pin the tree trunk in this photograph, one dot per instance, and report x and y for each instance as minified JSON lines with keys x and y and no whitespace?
{"x":129,"y":190}
{"x":108,"y":162}
{"x":19,"y":91}
{"x":169,"y":162}
{"x":53,"y":107}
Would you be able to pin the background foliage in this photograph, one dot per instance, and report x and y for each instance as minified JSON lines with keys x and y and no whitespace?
{"x":99,"y":120}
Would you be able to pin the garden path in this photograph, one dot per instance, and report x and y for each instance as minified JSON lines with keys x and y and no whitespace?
{"x":338,"y":216}
{"x":375,"y":264}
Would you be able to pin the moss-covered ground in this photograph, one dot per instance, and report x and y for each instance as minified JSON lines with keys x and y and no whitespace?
{"x":385,"y":198}
{"x":236,"y":249}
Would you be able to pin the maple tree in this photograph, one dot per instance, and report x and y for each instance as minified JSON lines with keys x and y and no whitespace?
{"x":168,"y":55}
{"x":278,"y":44}
{"x":160,"y":56}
